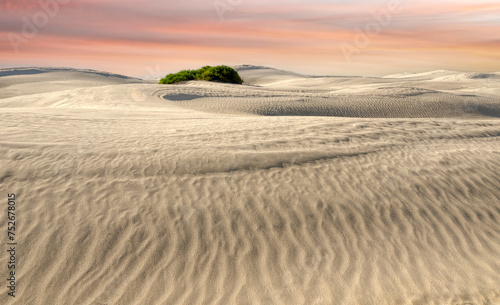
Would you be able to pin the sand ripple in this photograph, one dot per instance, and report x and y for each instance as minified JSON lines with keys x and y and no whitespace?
{"x":126,"y":198}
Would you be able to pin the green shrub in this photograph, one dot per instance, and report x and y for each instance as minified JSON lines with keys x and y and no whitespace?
{"x":200,"y":72}
{"x":222,"y":74}
{"x":182,"y":76}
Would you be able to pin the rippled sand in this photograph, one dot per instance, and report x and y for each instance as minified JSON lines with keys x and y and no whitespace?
{"x":287,"y":190}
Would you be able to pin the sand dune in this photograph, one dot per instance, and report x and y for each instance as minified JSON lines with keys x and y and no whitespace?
{"x":266,"y":193}
{"x":24,"y":81}
{"x":424,"y":75}
{"x":285,"y":93}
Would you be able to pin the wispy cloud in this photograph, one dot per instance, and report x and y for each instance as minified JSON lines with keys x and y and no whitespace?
{"x":124,"y":36}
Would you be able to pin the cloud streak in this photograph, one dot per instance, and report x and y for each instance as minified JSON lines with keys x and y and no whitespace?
{"x":291,"y":34}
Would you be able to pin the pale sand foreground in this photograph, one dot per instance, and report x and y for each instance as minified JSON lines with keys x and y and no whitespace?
{"x":127,"y":194}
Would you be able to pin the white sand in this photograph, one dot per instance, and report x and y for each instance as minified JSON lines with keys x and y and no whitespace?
{"x":135,"y":193}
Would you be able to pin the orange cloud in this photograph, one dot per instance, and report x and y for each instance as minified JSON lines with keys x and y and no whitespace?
{"x":111,"y":33}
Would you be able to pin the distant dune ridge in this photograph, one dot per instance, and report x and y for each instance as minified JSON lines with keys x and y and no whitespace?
{"x":289,"y":189}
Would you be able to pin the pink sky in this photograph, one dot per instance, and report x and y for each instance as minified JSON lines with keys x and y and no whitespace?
{"x":148,"y":38}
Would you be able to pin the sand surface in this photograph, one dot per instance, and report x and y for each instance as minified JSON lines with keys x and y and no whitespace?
{"x":290,"y":189}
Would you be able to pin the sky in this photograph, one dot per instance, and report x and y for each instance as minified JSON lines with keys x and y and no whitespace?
{"x":149,"y":38}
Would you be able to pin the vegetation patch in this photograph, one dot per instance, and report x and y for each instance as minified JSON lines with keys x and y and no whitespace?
{"x":221,"y":74}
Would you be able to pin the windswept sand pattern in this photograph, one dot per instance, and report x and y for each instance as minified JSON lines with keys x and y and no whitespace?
{"x":431,"y":95}
{"x":127,"y":198}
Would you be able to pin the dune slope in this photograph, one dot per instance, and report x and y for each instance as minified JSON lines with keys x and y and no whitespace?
{"x":128,"y":193}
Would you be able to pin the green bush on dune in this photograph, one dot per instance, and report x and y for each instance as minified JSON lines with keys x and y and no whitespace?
{"x":221,"y":74}
{"x":178,"y":77}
